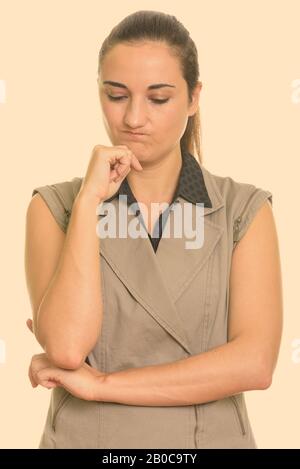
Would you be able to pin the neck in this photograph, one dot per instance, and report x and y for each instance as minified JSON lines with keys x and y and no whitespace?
{"x":158,"y":180}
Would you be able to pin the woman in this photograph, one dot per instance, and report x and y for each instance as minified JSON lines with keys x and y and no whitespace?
{"x":143,"y":348}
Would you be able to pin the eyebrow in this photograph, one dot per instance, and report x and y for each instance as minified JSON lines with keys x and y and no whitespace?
{"x":150,"y":87}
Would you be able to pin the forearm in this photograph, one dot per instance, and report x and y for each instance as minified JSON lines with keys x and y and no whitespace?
{"x":225,"y":370}
{"x":70,"y":314}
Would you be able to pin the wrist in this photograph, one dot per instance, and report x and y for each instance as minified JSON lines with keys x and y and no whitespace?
{"x":101,"y":388}
{"x":87,"y":198}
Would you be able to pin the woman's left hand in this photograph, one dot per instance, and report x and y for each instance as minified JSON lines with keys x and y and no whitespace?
{"x":83,"y":382}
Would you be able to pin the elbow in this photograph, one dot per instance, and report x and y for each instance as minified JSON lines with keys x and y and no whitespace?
{"x":65,"y":359}
{"x":263,"y":377}
{"x":61,"y":354}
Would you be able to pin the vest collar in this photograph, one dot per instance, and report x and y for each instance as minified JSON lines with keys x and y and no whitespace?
{"x":156,"y":280}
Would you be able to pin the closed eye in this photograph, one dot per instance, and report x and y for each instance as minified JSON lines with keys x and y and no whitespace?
{"x":156,"y":101}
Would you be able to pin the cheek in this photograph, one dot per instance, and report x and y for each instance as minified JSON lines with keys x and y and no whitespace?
{"x":112,"y":114}
{"x":173,"y":119}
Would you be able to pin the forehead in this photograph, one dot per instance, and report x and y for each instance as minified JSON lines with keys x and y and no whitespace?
{"x":147,"y":61}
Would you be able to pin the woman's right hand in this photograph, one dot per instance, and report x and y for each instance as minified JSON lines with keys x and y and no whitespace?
{"x":107,"y":168}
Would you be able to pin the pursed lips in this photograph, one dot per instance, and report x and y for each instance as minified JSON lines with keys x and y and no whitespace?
{"x":134,"y":135}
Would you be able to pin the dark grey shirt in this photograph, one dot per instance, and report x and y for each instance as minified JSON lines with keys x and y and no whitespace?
{"x":190,"y":186}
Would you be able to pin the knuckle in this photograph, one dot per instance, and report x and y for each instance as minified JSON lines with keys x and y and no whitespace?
{"x":97,"y":148}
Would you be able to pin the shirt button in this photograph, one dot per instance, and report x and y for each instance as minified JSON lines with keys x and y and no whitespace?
{"x":137,"y":212}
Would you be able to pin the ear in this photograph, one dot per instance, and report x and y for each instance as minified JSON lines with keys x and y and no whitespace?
{"x":193,"y":106}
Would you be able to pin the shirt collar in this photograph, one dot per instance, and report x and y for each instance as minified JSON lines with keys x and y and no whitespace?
{"x":191,"y":185}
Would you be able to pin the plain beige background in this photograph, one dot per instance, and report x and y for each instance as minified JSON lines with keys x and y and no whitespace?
{"x":50,"y":120}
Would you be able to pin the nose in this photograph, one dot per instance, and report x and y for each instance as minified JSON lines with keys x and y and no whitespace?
{"x":135,"y":114}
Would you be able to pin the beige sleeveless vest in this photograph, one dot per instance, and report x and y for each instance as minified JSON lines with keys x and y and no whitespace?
{"x":159,"y":307}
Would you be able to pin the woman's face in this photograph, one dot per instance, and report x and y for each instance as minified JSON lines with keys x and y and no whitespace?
{"x":160,"y":113}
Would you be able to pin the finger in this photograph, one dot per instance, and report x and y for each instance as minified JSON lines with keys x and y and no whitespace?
{"x":114,"y":176}
{"x":30,"y":324}
{"x":120,"y":167}
{"x":48,"y":383}
{"x":38,"y":356}
{"x":126,"y":172}
{"x":115,"y":157}
{"x":38,"y":362}
{"x":122,"y":172}
{"x":48,"y":376}
{"x":136,"y":164}
{"x":51,"y":384}
{"x":123,"y":175}
{"x":32,"y":380}
{"x":123,"y":161}
{"x":133,"y":161}
{"x":117,"y":170}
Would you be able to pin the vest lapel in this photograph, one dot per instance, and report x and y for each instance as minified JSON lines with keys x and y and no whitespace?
{"x":156,"y":280}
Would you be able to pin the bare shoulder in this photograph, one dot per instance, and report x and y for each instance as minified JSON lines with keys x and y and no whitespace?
{"x":54,"y":202}
{"x":260,"y":233}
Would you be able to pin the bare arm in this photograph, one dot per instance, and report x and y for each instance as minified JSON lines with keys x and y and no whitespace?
{"x":245,"y":362}
{"x":249,"y":358}
{"x":63,"y":271}
{"x":67,"y":317}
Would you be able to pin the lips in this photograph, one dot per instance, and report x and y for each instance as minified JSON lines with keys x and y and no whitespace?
{"x":135,"y":136}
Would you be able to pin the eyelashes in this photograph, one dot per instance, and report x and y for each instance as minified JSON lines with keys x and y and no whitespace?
{"x":155,"y":101}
